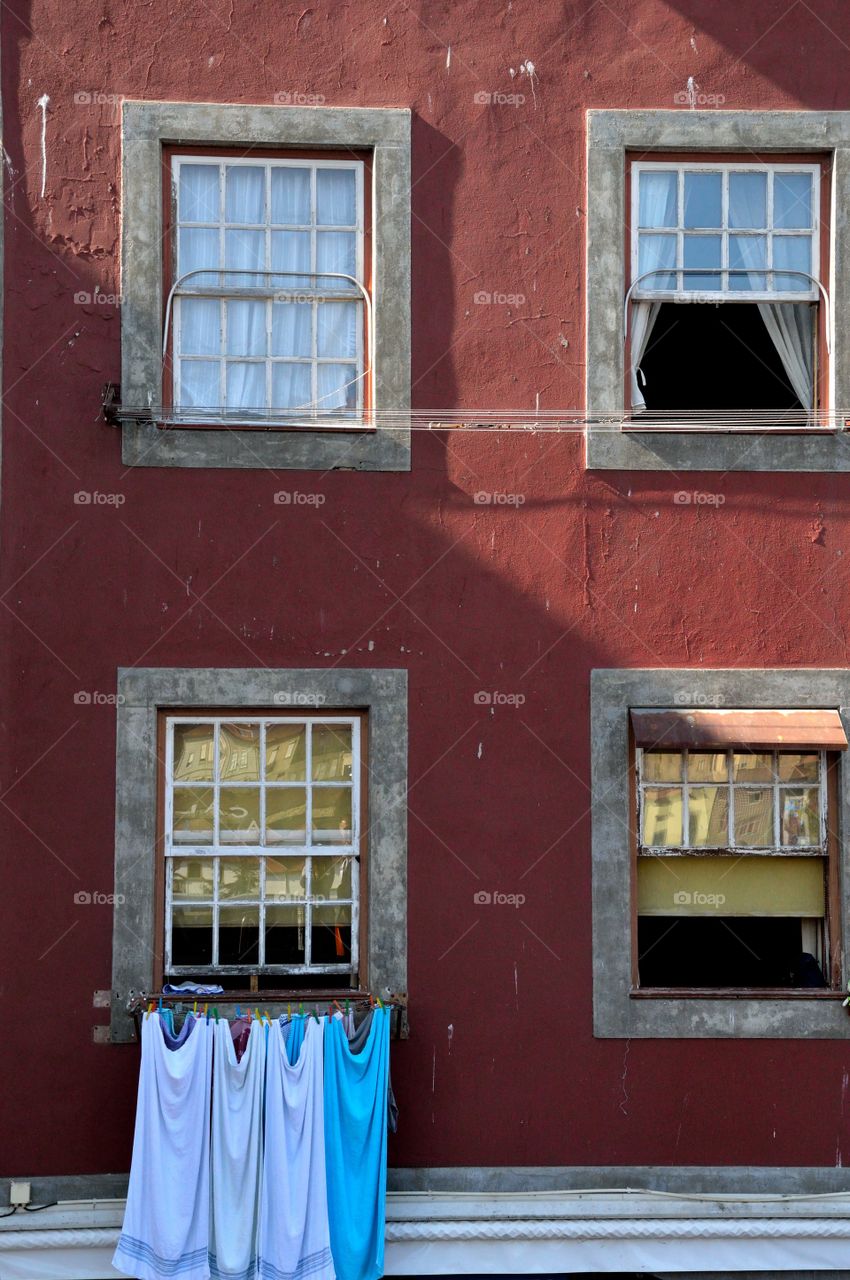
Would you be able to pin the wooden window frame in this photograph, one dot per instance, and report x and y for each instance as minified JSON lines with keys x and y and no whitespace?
{"x":339,"y":979}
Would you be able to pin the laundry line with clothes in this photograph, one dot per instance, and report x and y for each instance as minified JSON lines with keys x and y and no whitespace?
{"x":260,"y":1146}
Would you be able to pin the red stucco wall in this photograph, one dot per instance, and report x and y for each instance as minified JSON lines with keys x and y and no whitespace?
{"x":590,"y":571}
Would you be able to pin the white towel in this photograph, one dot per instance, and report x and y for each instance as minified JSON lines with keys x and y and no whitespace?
{"x":166,"y":1222}
{"x":294,"y":1233}
{"x":237,"y":1146}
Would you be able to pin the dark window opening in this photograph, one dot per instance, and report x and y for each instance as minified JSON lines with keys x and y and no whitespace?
{"x":735,"y":952}
{"x":713,"y":358}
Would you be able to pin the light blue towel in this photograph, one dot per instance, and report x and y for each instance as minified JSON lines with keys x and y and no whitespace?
{"x":356,"y":1147}
{"x":294,"y":1036}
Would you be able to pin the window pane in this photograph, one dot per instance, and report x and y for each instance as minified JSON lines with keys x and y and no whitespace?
{"x":291,"y":196}
{"x":754,"y":817}
{"x":331,"y":935}
{"x":337,"y":329}
{"x":800,"y":816}
{"x":796,"y":252}
{"x":792,"y":200}
{"x":191,"y":935}
{"x":290,"y":252}
{"x":193,"y":753}
{"x":200,"y":387}
{"x":292,"y":329}
{"x":192,"y":878}
{"x":702,"y":251}
{"x":332,"y":752}
{"x":238,"y":878}
{"x":200,"y":326}
{"x":238,"y":935}
{"x":244,"y":194}
{"x":331,"y":878}
{"x":708,"y":816}
{"x":752,"y":766}
{"x":746,"y":252}
{"x":286,"y":752}
{"x":286,"y":879}
{"x":798,"y":768}
{"x":239,"y":815}
{"x":662,"y":816}
{"x":335,"y":251}
{"x":196,"y":248}
{"x":291,"y":386}
{"x":662,"y":766}
{"x":332,"y":815}
{"x":337,"y":387}
{"x":654,"y":252}
{"x":335,"y":197}
{"x":707,"y":766}
{"x":246,"y":329}
{"x":247,"y":251}
{"x":246,"y":386}
{"x":198,"y":193}
{"x":192,"y":818}
{"x":657,"y":199}
{"x":703,"y":200}
{"x":286,"y":815}
{"x":284,"y":935}
{"x":748,"y":200}
{"x":717,"y":885}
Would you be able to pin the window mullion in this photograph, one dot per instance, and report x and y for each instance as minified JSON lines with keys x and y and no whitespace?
{"x":686,"y":801}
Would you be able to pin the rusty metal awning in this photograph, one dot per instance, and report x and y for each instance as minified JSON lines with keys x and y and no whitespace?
{"x":708,"y":728}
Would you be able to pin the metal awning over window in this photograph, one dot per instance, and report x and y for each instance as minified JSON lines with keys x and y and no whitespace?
{"x":693,"y":729}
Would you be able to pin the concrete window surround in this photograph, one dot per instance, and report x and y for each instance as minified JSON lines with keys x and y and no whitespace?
{"x":143,"y":692}
{"x":146,"y":127}
{"x":610,"y":134}
{"x":616,"y":1014}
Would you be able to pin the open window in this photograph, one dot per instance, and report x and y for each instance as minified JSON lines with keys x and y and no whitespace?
{"x":739,"y":243}
{"x":736,"y":854}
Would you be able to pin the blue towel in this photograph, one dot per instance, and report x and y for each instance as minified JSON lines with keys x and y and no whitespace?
{"x":294,"y":1037}
{"x":356,"y":1147}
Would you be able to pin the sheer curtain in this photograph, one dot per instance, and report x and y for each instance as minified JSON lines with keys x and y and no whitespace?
{"x":644,"y":315}
{"x":657,"y":210}
{"x":246,"y":336}
{"x":790,"y":327}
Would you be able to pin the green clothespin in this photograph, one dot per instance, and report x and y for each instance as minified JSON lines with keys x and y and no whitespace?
{"x":215,"y":1011}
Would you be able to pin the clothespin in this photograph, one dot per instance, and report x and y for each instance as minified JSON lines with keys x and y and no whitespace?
{"x":238,"y":1012}
{"x":160,"y":1004}
{"x":215,"y":1011}
{"x":301,"y":1009}
{"x":150,"y":1009}
{"x":195,"y":1008}
{"x":380,"y":1006}
{"x":346,"y":1006}
{"x":206,"y":1012}
{"x":371,"y":1001}
{"x":259,"y":1015}
{"x":289,"y":1011}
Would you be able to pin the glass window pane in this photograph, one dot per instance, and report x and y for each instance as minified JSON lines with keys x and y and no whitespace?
{"x":239,"y":815}
{"x":290,"y":253}
{"x":198,"y":247}
{"x":200,"y":386}
{"x":332,"y":815}
{"x":657,"y":198}
{"x":291,"y":196}
{"x":702,"y":251}
{"x":291,"y":386}
{"x":332,"y":752}
{"x":286,"y":815}
{"x":337,"y":387}
{"x":194,"y":753}
{"x":745,"y":253}
{"x":335,"y":251}
{"x":200,"y":326}
{"x":286,"y":879}
{"x":192,"y":817}
{"x":246,"y":386}
{"x":792,"y":200}
{"x":798,"y":768}
{"x":796,"y":252}
{"x":292,"y":328}
{"x":247,"y":251}
{"x":336,"y":198}
{"x":244,"y":193}
{"x":754,"y":817}
{"x":284,"y":935}
{"x":337,"y":329}
{"x":286,"y":752}
{"x":752,"y":766}
{"x":662,"y":817}
{"x":707,"y":766}
{"x":191,"y":935}
{"x":748,"y":200}
{"x":331,"y":879}
{"x":192,"y":878}
{"x":662,"y":766}
{"x":708,"y":816}
{"x":238,"y":878}
{"x":800,"y":816}
{"x":238,"y":935}
{"x":655,"y":252}
{"x":246,"y":328}
{"x":331,"y":935}
{"x":198,"y":196}
{"x":703,"y":200}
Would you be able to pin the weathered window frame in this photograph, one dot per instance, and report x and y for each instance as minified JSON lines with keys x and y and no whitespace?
{"x":610,"y":445}
{"x":145,"y":692}
{"x":147,"y":129}
{"x":618,"y":1010}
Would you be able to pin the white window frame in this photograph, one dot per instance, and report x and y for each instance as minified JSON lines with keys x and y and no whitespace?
{"x":308,"y":849}
{"x":680,"y":294}
{"x":350,"y":289}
